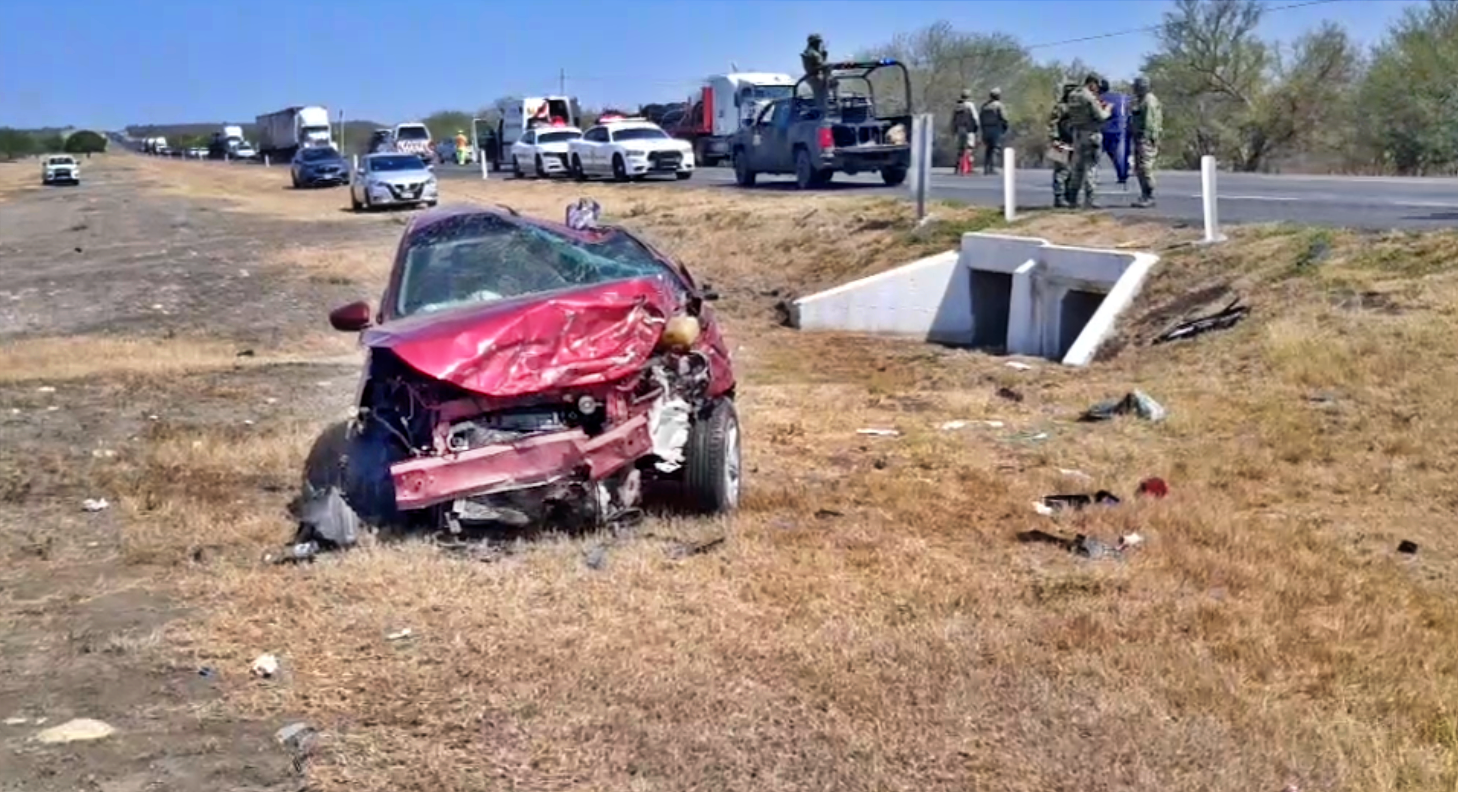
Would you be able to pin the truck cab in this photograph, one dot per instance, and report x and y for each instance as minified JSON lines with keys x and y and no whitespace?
{"x":861,"y":122}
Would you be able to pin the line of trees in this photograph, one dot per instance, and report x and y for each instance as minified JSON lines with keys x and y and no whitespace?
{"x":23,"y":143}
{"x":1315,"y":104}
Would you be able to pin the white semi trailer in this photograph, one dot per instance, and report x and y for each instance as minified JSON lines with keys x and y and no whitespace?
{"x":285,"y":132}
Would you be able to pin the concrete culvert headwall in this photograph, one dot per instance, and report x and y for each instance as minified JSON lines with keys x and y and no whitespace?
{"x":1022,"y":295}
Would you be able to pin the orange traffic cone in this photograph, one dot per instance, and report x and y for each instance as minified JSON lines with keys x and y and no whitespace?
{"x":964,"y":164}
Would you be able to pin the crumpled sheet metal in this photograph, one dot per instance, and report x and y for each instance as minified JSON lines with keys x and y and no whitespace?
{"x":569,"y":339}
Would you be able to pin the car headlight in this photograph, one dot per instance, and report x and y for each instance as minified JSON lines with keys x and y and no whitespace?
{"x":636,"y":153}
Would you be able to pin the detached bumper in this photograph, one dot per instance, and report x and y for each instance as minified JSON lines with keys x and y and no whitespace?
{"x":532,"y":462}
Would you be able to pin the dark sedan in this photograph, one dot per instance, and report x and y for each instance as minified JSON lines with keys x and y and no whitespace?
{"x":319,"y":167}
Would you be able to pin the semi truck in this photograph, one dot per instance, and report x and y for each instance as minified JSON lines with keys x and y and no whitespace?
{"x":283,"y":133}
{"x":724,"y":104}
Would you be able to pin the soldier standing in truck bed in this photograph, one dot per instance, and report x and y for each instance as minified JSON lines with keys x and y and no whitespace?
{"x":814,"y":60}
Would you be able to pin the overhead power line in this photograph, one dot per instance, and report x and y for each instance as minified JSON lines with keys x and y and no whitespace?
{"x":1156,"y":28}
{"x":1044,"y":45}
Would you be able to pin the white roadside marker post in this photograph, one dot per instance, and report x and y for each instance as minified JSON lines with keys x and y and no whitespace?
{"x":1210,"y":195}
{"x":1009,"y":184}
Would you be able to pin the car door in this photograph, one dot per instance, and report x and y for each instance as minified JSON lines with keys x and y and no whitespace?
{"x":522,"y":151}
{"x":762,"y":137}
{"x":597,"y":139}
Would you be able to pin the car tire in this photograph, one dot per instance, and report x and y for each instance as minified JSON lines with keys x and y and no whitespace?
{"x":744,"y":176}
{"x":346,"y":486}
{"x":431,"y":204}
{"x":577,"y":172}
{"x":712,"y":460}
{"x":295,"y":178}
{"x":893,"y":177}
{"x":516,"y":168}
{"x":684,"y":175}
{"x":805,"y":174}
{"x":620,"y":169}
{"x":541,"y":173}
{"x":354,"y":201}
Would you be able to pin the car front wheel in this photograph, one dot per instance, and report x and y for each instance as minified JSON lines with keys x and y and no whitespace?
{"x":577,"y":172}
{"x":712,"y":464}
{"x":620,"y":169}
{"x":684,"y":175}
{"x":516,"y":168}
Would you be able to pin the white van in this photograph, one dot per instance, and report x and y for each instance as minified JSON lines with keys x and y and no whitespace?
{"x":533,"y":111}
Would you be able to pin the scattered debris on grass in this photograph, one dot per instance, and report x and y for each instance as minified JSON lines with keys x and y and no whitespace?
{"x":596,"y":557}
{"x":686,"y":549}
{"x":1009,"y":394}
{"x":1136,"y":402}
{"x":1083,"y":545}
{"x":398,"y":635}
{"x":1018,"y":365}
{"x":77,"y":730}
{"x":1222,"y":320}
{"x":1407,"y":547}
{"x":879,"y":432}
{"x":95,"y":504}
{"x":265,"y":666}
{"x":1154,"y":487}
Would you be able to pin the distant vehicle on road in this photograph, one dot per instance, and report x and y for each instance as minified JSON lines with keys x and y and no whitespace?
{"x":414,"y":138}
{"x":536,"y":111}
{"x":282,"y":134}
{"x":850,"y":129}
{"x":197,"y":152}
{"x":380,"y":140}
{"x":315,"y":167}
{"x":544,"y":150}
{"x":60,"y":169}
{"x":725,"y":103}
{"x":631,"y":148}
{"x":390,"y":179}
{"x":245,"y":150}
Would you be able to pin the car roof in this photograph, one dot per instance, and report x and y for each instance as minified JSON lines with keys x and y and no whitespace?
{"x":636,"y":123}
{"x":540,"y":130}
{"x":440,"y":214}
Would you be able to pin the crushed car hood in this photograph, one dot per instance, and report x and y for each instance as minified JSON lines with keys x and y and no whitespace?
{"x":555,"y":341}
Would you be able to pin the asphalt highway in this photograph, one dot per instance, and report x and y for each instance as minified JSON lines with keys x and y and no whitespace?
{"x":1354,"y":202}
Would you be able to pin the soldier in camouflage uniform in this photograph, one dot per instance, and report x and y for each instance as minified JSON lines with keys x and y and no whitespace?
{"x":993,"y":121}
{"x":814,"y":60}
{"x":1086,"y":115}
{"x":964,"y":130}
{"x":1060,"y":133}
{"x":1146,"y":124}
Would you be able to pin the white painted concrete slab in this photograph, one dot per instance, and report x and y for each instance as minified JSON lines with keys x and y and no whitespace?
{"x":1054,"y":301}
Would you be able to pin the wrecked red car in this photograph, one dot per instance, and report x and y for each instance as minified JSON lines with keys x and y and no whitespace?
{"x":520,"y":373}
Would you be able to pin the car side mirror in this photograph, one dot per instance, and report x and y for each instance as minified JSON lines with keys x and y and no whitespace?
{"x":350,"y":318}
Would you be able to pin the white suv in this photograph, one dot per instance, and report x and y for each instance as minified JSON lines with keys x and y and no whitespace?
{"x":60,"y":169}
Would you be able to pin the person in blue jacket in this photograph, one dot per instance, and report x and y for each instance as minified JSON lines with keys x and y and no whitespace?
{"x":1116,"y":137}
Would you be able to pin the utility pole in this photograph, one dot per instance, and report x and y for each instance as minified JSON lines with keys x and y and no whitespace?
{"x":561,"y":82}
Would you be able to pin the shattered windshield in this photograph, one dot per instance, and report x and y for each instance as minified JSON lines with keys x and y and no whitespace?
{"x":481,"y":258}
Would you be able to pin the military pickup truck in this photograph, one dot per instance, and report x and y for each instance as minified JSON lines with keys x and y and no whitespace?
{"x":860,"y":122}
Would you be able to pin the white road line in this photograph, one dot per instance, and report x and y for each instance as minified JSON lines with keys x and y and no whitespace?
{"x":1228,"y":197}
{"x":1323,"y":199}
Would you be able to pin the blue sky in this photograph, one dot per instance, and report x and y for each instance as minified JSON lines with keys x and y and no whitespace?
{"x":130,"y":61}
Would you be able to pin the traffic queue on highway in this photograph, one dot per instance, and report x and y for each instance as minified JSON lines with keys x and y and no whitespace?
{"x":763,"y":123}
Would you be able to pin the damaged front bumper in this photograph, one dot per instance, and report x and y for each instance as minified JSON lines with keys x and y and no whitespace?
{"x":533,"y":461}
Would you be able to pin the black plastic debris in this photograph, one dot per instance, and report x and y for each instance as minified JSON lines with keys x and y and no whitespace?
{"x":1407,"y":547}
{"x":1224,"y":320}
{"x":1080,"y":545}
{"x":1079,"y":501}
{"x":1009,"y":394}
{"x":826,"y":514}
{"x":684,"y":550}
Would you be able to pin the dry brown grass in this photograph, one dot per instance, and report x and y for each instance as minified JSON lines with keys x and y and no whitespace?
{"x":1266,"y":634}
{"x":18,"y":177}
{"x":56,"y":359}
